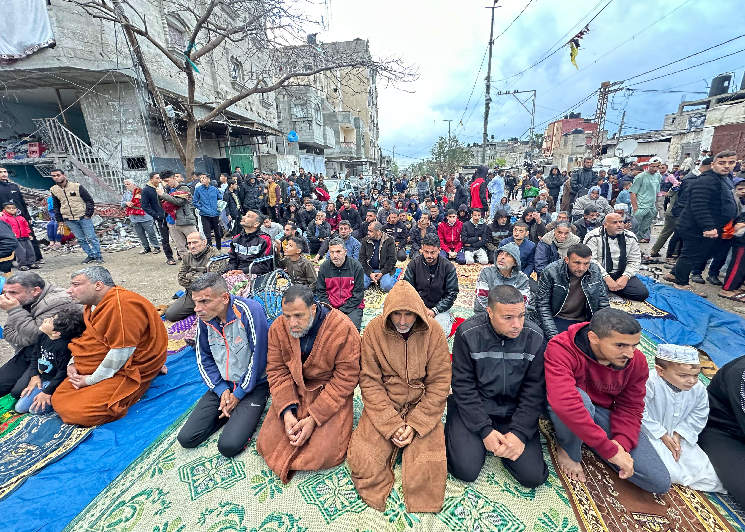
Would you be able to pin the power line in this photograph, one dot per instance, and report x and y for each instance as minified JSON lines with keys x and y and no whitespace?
{"x":688,"y":68}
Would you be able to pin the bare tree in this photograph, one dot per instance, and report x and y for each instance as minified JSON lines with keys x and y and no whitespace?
{"x":271,"y":34}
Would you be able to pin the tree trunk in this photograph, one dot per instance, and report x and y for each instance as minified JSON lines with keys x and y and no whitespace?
{"x":191,"y":147}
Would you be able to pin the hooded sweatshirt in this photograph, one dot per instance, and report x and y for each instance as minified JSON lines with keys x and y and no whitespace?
{"x":490,"y":277}
{"x":570,"y":365}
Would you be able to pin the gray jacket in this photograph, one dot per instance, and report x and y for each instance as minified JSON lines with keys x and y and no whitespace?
{"x":490,"y":277}
{"x":595,"y":239}
{"x":22,"y":327}
{"x":182,"y":199}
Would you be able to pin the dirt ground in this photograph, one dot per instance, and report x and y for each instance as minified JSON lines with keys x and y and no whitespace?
{"x":151,"y":277}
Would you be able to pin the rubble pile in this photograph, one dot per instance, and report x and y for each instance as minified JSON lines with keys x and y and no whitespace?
{"x":115,"y":232}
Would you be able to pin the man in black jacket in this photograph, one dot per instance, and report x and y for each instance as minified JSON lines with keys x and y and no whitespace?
{"x":151,"y":205}
{"x":569,"y":291}
{"x":378,"y":257}
{"x":499,"y":390}
{"x":474,"y":243}
{"x":397,"y":230}
{"x":251,"y":251}
{"x":8,"y":245}
{"x":582,"y":179}
{"x":710,"y":205}
{"x":350,"y":214}
{"x":435,"y":279}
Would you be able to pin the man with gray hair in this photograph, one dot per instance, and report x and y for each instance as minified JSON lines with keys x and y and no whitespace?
{"x":28,"y":300}
{"x":231,"y":345}
{"x":340,"y":282}
{"x":200,"y":259}
{"x":122,"y":349}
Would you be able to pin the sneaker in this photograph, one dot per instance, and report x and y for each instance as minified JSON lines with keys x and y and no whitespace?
{"x":714,"y":280}
{"x":24,"y":268}
{"x":144,"y":252}
{"x":698,"y":279}
{"x":88,"y":260}
{"x":156,"y":251}
{"x":35,"y":266}
{"x":99,"y":260}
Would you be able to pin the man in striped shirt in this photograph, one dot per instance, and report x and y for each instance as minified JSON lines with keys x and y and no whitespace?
{"x":231,"y":348}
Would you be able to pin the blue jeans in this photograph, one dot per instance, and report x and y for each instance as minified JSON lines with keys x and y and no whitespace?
{"x":650,"y":473}
{"x":86,"y":235}
{"x":23,"y":404}
{"x":386,"y":282}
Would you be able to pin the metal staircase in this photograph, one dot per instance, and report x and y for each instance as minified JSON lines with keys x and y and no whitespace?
{"x":65,"y":144}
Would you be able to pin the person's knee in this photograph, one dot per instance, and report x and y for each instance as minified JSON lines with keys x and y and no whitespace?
{"x":188,"y":440}
{"x":463,"y":468}
{"x":230,"y":447}
{"x":533,"y":477}
{"x":659,"y":481}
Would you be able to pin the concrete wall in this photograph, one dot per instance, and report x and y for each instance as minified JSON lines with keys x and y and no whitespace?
{"x":676,"y":154}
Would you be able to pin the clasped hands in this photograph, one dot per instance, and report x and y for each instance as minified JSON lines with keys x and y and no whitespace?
{"x":403,"y":436}
{"x":298,"y":430}
{"x":505,"y":445}
{"x":76,"y":379}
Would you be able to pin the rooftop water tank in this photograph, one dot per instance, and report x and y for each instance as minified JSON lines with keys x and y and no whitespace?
{"x":720,"y":85}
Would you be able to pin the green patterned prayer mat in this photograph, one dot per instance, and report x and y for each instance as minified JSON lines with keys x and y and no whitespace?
{"x":9,"y":418}
{"x":171,"y":489}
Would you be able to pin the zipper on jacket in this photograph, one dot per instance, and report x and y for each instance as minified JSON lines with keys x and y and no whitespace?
{"x":504,"y":372}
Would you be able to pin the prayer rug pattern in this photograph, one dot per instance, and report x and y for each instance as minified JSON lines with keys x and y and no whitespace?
{"x":36,"y":442}
{"x":639,"y":309}
{"x":605,"y":502}
{"x":9,"y":419}
{"x":173,"y":489}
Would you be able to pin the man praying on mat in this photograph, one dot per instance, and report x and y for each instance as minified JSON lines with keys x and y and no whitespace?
{"x":405,"y":379}
{"x":122,"y":349}
{"x":596,"y":381}
{"x":231,"y":356}
{"x":498,"y":391}
{"x":313,"y":367}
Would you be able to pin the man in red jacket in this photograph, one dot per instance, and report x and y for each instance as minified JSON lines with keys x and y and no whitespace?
{"x":449,"y":232}
{"x":478,"y":190}
{"x":596,"y":381}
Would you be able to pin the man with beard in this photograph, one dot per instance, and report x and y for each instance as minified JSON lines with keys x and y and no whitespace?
{"x":404,"y":379}
{"x":193,"y":264}
{"x":252,"y":250}
{"x":498,"y":392}
{"x":435,"y":280}
{"x":596,"y":382}
{"x":582,"y":179}
{"x":313,"y":369}
{"x":231,"y":347}
{"x":554,"y":245}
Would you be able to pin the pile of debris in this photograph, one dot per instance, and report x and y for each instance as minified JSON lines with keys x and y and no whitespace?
{"x":115,"y":232}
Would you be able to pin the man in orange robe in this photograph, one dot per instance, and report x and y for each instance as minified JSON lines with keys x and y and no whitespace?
{"x":122,"y":349}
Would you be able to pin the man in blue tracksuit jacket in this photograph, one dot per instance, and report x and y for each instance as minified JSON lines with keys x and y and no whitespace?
{"x":231,"y":347}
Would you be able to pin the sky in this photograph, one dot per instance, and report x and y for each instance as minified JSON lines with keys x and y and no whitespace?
{"x":447,"y":40}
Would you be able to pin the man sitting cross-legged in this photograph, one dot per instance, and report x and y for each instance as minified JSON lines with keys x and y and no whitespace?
{"x":122,"y":349}
{"x":405,"y":378}
{"x":313,"y":368}
{"x":596,"y":381}
{"x":498,"y":391}
{"x":230,"y":345}
{"x":193,"y":264}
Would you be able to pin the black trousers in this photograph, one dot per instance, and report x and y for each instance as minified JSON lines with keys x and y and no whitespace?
{"x":466,"y":452}
{"x":238,"y":428}
{"x":634,"y":290}
{"x":724,"y":451}
{"x":696,"y":251}
{"x":718,"y":258}
{"x":15,"y":374}
{"x":735,"y":275}
{"x":165,"y":237}
{"x":211,"y":224}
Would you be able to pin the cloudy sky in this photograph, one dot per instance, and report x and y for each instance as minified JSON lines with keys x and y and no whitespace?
{"x":447,"y":41}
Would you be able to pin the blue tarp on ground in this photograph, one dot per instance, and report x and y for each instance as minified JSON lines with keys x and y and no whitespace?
{"x":699,"y":323}
{"x":52,"y":498}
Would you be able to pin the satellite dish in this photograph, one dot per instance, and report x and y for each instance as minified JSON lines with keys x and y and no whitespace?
{"x":626,"y":147}
{"x":292,"y":136}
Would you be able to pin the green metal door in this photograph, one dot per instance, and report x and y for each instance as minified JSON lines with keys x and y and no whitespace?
{"x":241,"y":156}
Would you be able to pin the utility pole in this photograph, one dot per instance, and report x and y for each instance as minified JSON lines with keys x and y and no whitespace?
{"x":620,"y":126}
{"x":606,"y":89}
{"x":487,"y":91}
{"x":448,"y":121}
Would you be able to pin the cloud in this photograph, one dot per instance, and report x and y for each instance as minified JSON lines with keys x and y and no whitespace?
{"x":447,"y":42}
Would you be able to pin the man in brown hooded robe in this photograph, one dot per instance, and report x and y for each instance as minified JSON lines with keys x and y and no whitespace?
{"x":405,"y":380}
{"x":313,"y":366}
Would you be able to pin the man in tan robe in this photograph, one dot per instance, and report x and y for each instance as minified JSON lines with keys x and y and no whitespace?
{"x":405,"y":380}
{"x":313,"y":366}
{"x":122,"y":349}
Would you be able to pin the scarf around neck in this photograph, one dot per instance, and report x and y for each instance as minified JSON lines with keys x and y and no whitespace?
{"x":607,"y":257}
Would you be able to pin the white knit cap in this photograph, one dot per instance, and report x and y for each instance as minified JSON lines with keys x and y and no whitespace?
{"x":680,"y":354}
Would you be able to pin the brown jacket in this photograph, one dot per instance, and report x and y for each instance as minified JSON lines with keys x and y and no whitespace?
{"x":322,"y":387}
{"x":403,"y":382}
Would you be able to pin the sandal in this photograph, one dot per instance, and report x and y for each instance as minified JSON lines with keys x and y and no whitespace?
{"x":171,"y":262}
{"x":733,"y":296}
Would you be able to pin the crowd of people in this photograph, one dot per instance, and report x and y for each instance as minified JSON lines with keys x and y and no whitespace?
{"x":543,"y":339}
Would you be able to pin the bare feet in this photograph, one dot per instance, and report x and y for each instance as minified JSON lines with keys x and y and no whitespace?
{"x":570,"y":468}
{"x":164,"y":370}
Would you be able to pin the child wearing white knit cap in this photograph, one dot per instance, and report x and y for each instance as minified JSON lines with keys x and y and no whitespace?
{"x":676,"y":408}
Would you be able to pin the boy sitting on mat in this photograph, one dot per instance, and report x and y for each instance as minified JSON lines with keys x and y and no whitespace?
{"x":676,"y":408}
{"x":49,"y":358}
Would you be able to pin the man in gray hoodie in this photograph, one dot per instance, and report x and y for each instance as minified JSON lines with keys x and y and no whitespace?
{"x":506,"y":270}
